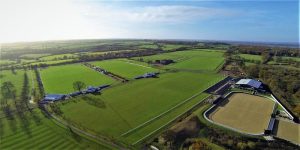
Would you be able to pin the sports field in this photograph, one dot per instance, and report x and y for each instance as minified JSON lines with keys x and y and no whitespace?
{"x":201,"y":60}
{"x":289,"y":131}
{"x":17,"y":79}
{"x":132,"y":108}
{"x":125,"y":68}
{"x":32,"y":131}
{"x":59,"y":79}
{"x":251,"y":57}
{"x":244,"y":112}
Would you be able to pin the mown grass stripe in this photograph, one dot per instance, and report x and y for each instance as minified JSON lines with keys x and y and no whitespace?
{"x":36,"y":142}
{"x":22,"y":133}
{"x":67,"y":146}
{"x":51,"y":142}
{"x":20,"y":138}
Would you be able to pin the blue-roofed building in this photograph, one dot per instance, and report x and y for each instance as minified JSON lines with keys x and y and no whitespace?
{"x":249,"y":83}
{"x":270,"y":126}
{"x":54,"y":97}
{"x":91,"y":89}
{"x":147,"y":75}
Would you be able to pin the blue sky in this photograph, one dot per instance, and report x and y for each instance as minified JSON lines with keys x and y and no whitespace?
{"x":266,"y":21}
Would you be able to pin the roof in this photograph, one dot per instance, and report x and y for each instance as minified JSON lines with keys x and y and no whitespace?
{"x":250,"y":82}
{"x":271,"y":124}
{"x":54,"y":97}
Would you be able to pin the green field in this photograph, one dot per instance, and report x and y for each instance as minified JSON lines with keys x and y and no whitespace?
{"x":168,"y":47}
{"x":57,"y":57}
{"x":204,"y":60}
{"x":59,"y":79}
{"x":33,"y":56}
{"x":34,"y":132}
{"x":16,"y":79}
{"x":125,"y":68}
{"x":6,"y":62}
{"x":127,"y":106}
{"x":251,"y":57}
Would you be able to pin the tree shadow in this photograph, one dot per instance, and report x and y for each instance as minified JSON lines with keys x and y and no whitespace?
{"x":1,"y":128}
{"x":10,"y":118}
{"x":23,"y":119}
{"x":97,"y":102}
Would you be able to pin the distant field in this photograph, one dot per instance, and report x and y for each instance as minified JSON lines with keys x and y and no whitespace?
{"x":51,"y":62}
{"x":251,"y":57}
{"x":244,"y":112}
{"x":145,"y":46}
{"x":33,"y":56}
{"x":60,"y":56}
{"x":6,"y":62}
{"x":129,"y":105}
{"x":168,"y":47}
{"x":289,"y":131}
{"x":34,"y":132}
{"x":207,"y":60}
{"x":125,"y":68}
{"x":59,"y":79}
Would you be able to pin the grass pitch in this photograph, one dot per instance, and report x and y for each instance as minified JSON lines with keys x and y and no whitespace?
{"x":125,"y":68}
{"x":201,"y":60}
{"x":244,"y":112}
{"x":131,"y":105}
{"x":59,"y":79}
{"x":289,"y":131}
{"x":33,"y":132}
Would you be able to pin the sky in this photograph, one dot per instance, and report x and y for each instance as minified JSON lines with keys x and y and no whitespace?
{"x":260,"y":21}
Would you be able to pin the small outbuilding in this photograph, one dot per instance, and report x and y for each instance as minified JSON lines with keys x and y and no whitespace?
{"x":54,"y":97}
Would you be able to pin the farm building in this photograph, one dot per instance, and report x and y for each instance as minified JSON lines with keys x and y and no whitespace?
{"x":249,"y":83}
{"x":270,"y":126}
{"x":54,"y":97}
{"x":147,"y":75}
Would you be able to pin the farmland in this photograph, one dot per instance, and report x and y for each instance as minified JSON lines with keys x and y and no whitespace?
{"x":288,"y":130}
{"x":59,"y":79}
{"x":204,"y":60}
{"x":16,"y":78}
{"x":35,"y":131}
{"x":125,"y":68}
{"x":129,"y":106}
{"x":244,"y":112}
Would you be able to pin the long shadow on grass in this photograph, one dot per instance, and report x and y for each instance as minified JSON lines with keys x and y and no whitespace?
{"x":1,"y":129}
{"x":23,"y":119}
{"x":10,"y":118}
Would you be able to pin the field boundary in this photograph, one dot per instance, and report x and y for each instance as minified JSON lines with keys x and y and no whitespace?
{"x":170,"y":120}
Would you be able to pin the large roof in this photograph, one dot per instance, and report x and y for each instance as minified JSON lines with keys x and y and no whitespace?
{"x":250,"y":82}
{"x":53,"y":97}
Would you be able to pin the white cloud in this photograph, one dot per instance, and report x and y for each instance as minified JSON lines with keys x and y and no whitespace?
{"x":165,"y":13}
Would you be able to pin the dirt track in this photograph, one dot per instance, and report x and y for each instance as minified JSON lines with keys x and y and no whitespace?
{"x":244,"y":112}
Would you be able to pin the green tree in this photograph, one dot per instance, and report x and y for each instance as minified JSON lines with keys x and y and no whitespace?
{"x":8,"y":91}
{"x":78,"y":85}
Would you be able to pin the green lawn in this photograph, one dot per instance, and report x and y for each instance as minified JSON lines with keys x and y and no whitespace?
{"x":59,"y":56}
{"x":16,"y":79}
{"x":128,"y":106}
{"x":35,"y":132}
{"x":251,"y":57}
{"x":191,"y":60}
{"x":169,"y":47}
{"x":59,"y":79}
{"x":125,"y":68}
{"x":6,"y":62}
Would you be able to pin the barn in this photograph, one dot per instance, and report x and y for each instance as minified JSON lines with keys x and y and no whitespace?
{"x":249,"y":83}
{"x":54,"y":97}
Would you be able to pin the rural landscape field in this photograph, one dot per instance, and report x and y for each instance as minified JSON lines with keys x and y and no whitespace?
{"x":144,"y":75}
